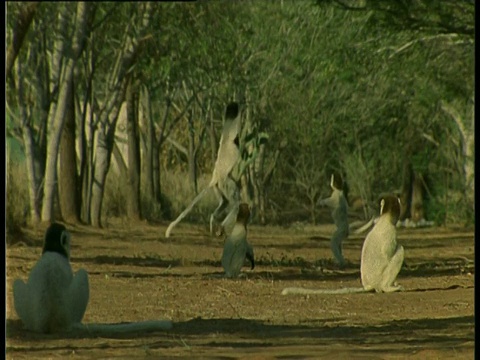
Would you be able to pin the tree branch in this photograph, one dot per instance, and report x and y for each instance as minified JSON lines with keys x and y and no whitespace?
{"x":20,"y":29}
{"x":178,"y":146}
{"x":456,"y":118}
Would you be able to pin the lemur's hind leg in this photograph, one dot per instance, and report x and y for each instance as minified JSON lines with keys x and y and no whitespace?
{"x":336,"y":246}
{"x":221,"y":208}
{"x":79,"y":294}
{"x":391,"y":271}
{"x":228,"y":194}
{"x":21,"y":298}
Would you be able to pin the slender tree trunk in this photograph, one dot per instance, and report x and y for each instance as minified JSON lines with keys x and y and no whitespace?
{"x":150,"y":138}
{"x":108,"y":120}
{"x":59,"y":114}
{"x":417,"y":209}
{"x":28,"y":142}
{"x":100,"y":170}
{"x":466,"y":129}
{"x":122,"y":166}
{"x":259,"y":186}
{"x":469,"y":161}
{"x":192,"y":154}
{"x":213,"y":138}
{"x":105,"y":138}
{"x":86,"y":133}
{"x":156,"y":172}
{"x":406,"y":192}
{"x":264,"y":175}
{"x":133,"y":178}
{"x":32,"y":188}
{"x":165,"y":204}
{"x":44,"y":99}
{"x":67,"y":174}
{"x":20,"y":29}
{"x":87,"y":165}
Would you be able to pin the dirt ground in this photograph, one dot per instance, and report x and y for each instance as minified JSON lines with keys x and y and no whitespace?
{"x":137,"y":274}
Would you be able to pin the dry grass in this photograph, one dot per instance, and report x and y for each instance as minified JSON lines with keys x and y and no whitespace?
{"x":16,"y":204}
{"x":136,"y":274}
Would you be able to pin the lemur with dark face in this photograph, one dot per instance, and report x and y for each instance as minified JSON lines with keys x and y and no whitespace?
{"x":236,"y":248}
{"x":54,"y":298}
{"x":382,"y":256}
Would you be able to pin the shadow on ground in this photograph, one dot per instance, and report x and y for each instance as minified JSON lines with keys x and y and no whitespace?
{"x":244,"y":333}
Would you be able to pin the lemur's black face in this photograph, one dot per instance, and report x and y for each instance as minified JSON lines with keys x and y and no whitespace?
{"x":390,"y":204}
{"x":57,"y":239}
{"x":232,"y":111}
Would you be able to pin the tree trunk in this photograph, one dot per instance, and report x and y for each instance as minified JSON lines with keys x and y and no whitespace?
{"x":122,"y":166}
{"x":20,"y":29}
{"x":268,"y":174}
{"x":192,"y":154}
{"x":469,"y":160}
{"x":67,"y":174}
{"x":150,"y":138}
{"x":32,"y":188}
{"x":406,"y":192}
{"x":86,"y":172}
{"x":213,"y":140}
{"x":133,"y":178}
{"x":44,"y":99}
{"x":58,"y":119}
{"x":467,"y":138}
{"x":108,"y":120}
{"x":157,"y":188}
{"x":100,"y":170}
{"x":417,"y":209}
{"x":259,"y":185}
{"x":103,"y":150}
{"x":28,"y":143}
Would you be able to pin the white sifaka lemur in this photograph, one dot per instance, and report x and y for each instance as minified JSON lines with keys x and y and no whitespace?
{"x":54,"y":299}
{"x":339,"y":206}
{"x":236,"y":248}
{"x":382,"y":256}
{"x":227,"y":157}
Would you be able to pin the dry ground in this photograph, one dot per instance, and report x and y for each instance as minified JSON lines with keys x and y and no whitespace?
{"x":136,"y":274}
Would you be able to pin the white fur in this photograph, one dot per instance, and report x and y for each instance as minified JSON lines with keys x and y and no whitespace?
{"x":228,"y":152}
{"x":382,"y":257}
{"x":227,"y":157}
{"x":54,"y":299}
{"x":366,"y":226}
{"x":339,"y":206}
{"x":381,"y":262}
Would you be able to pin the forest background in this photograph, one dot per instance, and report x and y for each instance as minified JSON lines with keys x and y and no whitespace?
{"x":114,"y":109}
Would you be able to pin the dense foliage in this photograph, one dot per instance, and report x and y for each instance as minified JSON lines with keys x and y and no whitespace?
{"x":364,"y":87}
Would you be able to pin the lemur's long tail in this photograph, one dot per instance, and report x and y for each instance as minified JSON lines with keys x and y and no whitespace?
{"x":125,"y":328}
{"x":303,"y":291}
{"x":185,"y":212}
